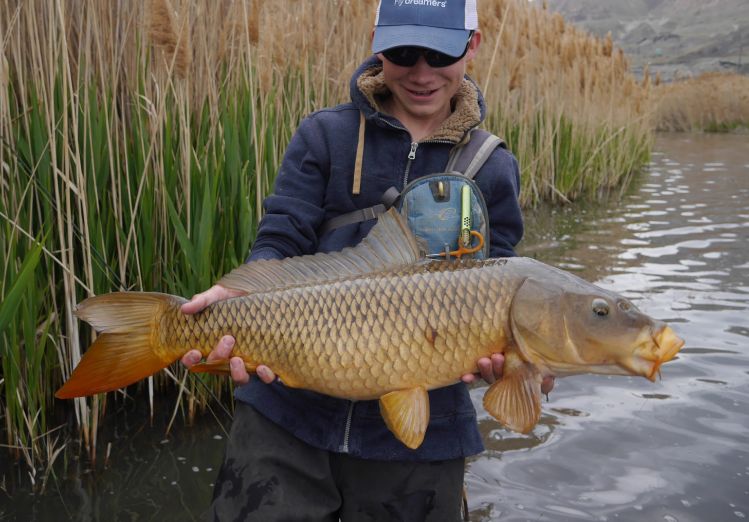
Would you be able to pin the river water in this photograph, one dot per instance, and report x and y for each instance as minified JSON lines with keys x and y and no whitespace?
{"x":625,"y":449}
{"x":607,"y":448}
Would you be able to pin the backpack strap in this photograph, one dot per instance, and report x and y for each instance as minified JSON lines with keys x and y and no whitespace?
{"x":466,"y":159}
{"x":471,"y":156}
{"x":389,"y":198}
{"x":357,"y":216}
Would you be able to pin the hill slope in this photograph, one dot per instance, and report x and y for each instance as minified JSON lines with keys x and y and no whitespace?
{"x":673,"y":36}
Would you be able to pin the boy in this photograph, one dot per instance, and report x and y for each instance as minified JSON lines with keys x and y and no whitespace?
{"x":299,"y":455}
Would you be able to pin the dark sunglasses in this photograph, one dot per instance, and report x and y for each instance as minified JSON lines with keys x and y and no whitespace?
{"x":407,"y":56}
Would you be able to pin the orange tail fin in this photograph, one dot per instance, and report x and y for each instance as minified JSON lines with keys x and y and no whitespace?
{"x":125,"y":352}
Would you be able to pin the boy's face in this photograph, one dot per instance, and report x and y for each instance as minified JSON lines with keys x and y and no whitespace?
{"x":422,"y":92}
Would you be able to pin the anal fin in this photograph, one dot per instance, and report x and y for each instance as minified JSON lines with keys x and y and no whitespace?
{"x":515,"y":400}
{"x":218,"y":367}
{"x":406,"y":414}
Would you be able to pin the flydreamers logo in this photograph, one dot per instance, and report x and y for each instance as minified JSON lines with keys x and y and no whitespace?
{"x":428,"y":3}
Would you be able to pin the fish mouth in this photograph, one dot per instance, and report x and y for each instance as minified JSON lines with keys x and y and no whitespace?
{"x":668,"y":345}
{"x":653,"y":350}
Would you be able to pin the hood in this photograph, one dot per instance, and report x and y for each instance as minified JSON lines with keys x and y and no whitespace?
{"x":368,"y":87}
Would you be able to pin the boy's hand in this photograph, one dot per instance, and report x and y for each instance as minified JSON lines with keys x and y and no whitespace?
{"x":490,"y":369}
{"x":224,"y":347}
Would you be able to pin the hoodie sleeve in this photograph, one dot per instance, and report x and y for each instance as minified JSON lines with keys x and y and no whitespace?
{"x":293,"y":212}
{"x":501,"y":189}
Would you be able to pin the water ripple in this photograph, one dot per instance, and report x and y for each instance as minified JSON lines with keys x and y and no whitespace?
{"x":623,"y":448}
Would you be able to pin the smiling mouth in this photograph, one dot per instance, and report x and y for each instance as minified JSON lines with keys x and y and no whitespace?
{"x":422,"y":93}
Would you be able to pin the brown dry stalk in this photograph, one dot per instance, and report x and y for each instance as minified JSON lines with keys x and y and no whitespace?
{"x":608,"y":45}
{"x":515,"y":77}
{"x":712,"y":101}
{"x":173,"y":35}
{"x":254,"y":26}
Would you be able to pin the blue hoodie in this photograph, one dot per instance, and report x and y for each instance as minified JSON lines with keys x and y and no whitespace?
{"x":314,"y":184}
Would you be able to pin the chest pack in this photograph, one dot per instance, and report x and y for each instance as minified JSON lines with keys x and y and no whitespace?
{"x":445,"y":210}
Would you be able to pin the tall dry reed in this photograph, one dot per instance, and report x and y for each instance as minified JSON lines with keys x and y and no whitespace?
{"x":711,"y":102}
{"x":139,"y":138}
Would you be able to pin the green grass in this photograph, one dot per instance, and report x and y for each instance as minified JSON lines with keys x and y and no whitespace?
{"x":167,"y":208}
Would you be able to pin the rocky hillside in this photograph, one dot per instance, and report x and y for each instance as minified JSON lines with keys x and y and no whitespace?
{"x":683,"y":37}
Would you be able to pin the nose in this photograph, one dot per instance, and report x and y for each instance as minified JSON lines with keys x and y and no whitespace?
{"x":421,"y":71}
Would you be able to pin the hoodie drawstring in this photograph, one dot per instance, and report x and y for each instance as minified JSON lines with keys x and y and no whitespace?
{"x":359,"y":156}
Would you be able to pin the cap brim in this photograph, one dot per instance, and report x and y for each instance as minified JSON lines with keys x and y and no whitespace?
{"x":449,"y":41}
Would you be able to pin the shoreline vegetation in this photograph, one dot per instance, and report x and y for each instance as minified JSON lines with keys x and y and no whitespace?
{"x":138,"y":139}
{"x":710,"y":102}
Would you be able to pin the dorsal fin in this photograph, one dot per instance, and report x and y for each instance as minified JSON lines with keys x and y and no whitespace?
{"x":389,"y":246}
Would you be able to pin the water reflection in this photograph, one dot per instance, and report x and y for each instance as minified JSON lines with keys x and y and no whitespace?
{"x":148,"y":475}
{"x":632,"y":450}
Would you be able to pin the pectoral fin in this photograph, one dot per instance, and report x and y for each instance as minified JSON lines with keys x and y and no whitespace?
{"x":515,"y":400}
{"x":406,"y":414}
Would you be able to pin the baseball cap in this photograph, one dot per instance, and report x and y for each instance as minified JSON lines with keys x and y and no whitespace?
{"x":442,"y":25}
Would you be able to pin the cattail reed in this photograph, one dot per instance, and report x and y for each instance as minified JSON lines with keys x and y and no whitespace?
{"x":712,"y":102}
{"x":167,"y":31}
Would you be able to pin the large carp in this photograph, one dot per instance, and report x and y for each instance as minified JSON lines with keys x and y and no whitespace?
{"x":379,"y":321}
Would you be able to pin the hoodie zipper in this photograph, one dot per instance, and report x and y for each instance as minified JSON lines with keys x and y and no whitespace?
{"x":411,"y":157}
{"x":347,"y":430}
{"x":412,"y":151}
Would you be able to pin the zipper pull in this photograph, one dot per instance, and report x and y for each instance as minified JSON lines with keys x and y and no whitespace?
{"x":412,"y":153}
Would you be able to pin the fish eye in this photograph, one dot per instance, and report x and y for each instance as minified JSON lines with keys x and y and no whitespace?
{"x":600,"y":307}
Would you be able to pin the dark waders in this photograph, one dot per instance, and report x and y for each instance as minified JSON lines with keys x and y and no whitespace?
{"x":271,"y":476}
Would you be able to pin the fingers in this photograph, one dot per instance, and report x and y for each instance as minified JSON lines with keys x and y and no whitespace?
{"x":210,"y":296}
{"x":240,"y":376}
{"x":485,"y":369}
{"x":266,"y":374}
{"x":547,"y":384}
{"x":498,"y":364}
{"x":222,"y":350}
{"x":490,"y":369}
{"x":238,"y":371}
{"x":468,"y":378}
{"x":198,"y":302}
{"x":237,"y":368}
{"x":191,"y":358}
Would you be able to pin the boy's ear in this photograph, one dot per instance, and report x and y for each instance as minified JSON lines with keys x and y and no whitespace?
{"x":473,"y":47}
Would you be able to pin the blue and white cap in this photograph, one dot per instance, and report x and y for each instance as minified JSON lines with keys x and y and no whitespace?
{"x":442,"y":25}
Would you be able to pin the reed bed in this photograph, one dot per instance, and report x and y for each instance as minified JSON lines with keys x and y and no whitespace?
{"x":139,"y":138}
{"x":711,"y":102}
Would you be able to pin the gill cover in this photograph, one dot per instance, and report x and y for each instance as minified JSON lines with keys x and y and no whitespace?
{"x":537,"y":321}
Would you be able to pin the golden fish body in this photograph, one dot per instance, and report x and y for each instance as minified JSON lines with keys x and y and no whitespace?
{"x":378,"y":321}
{"x":361,"y":338}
